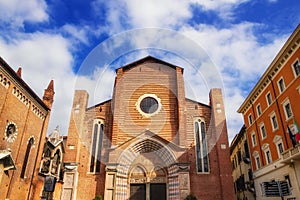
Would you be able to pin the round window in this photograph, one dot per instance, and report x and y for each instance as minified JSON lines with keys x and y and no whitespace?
{"x":149,"y":105}
{"x":11,"y":132}
{"x":11,"y":129}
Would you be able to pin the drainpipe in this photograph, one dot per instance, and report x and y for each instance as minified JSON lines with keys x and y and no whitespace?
{"x":280,"y":116}
{"x":36,"y":159}
{"x":258,"y":138}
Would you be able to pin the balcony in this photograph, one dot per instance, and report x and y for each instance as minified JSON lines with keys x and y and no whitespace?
{"x":291,"y":154}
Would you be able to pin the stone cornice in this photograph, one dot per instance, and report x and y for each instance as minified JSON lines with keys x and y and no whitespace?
{"x":288,"y":49}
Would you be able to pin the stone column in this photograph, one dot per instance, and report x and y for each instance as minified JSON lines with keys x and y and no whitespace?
{"x":1,"y":170}
{"x":69,"y":190}
{"x":110,"y":180}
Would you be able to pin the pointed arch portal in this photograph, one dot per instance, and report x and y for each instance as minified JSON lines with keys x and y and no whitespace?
{"x":145,"y":165}
{"x":146,"y":170}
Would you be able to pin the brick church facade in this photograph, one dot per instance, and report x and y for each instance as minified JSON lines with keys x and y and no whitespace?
{"x":24,"y":120}
{"x":149,"y":141}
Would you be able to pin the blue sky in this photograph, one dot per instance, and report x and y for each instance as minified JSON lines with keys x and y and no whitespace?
{"x":55,"y":39}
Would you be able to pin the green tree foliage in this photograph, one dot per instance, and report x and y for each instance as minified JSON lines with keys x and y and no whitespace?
{"x":190,"y":197}
{"x":99,"y":197}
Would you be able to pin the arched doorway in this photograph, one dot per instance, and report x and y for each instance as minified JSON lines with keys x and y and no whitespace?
{"x":158,"y":184}
{"x":146,"y":185}
{"x":145,"y":169}
{"x":138,"y":184}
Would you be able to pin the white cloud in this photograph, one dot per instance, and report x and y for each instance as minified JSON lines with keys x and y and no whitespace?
{"x":79,"y":33}
{"x":99,"y":85}
{"x":218,"y":5}
{"x":16,"y":12}
{"x":240,"y":59}
{"x":223,"y":8}
{"x":44,"y":57}
{"x":235,"y":51}
{"x":156,"y":13}
{"x":122,"y":15}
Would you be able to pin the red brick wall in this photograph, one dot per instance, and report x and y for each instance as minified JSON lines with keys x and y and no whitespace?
{"x":123,"y":122}
{"x":133,"y":83}
{"x":16,"y":105}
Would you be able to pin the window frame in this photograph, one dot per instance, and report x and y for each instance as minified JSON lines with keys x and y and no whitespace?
{"x":278,"y":140}
{"x":96,"y":146}
{"x":257,"y":160}
{"x":250,"y":120}
{"x":288,"y":179}
{"x":58,"y":163}
{"x":280,"y":150}
{"x":143,"y":97}
{"x":296,"y":64}
{"x":268,"y":153}
{"x":268,"y":156}
{"x":281,"y":85}
{"x":202,"y":159}
{"x":272,"y":115}
{"x":258,"y":110}
{"x":269,"y":100}
{"x":253,"y":139}
{"x":263,"y":131}
{"x":30,"y":145}
{"x":286,"y":113}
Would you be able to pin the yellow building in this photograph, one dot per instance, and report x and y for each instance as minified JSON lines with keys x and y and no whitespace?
{"x":241,"y":167}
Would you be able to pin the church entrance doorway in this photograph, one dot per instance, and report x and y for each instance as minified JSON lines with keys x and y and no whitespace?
{"x":137,"y":191}
{"x":158,"y":191}
{"x":146,"y":184}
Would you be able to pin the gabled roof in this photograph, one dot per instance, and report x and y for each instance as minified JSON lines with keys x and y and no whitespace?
{"x":148,"y":59}
{"x":55,"y":138}
{"x":98,"y":104}
{"x":194,"y":101}
{"x":22,"y":83}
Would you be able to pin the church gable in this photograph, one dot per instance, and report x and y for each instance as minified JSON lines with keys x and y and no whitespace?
{"x":150,"y":135}
{"x":146,"y":83}
{"x":148,"y":59}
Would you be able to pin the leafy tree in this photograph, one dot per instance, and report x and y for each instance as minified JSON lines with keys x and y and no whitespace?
{"x":98,"y":197}
{"x":190,"y":197}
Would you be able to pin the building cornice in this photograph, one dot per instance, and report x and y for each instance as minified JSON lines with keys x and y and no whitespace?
{"x":291,"y":45}
{"x":20,"y":83}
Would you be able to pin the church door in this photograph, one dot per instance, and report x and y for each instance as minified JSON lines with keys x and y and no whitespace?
{"x":158,"y":191}
{"x":137,"y":191}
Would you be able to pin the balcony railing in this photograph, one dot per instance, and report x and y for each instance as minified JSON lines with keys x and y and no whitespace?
{"x":291,"y":154}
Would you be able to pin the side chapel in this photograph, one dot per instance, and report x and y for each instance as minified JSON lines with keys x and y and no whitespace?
{"x":149,"y":141}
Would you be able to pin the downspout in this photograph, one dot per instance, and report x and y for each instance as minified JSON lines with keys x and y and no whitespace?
{"x":258,"y":138}
{"x":275,"y":96}
{"x":36,"y":159}
{"x":18,"y":152}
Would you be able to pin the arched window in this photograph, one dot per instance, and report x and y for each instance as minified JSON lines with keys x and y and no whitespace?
{"x":56,"y":162}
{"x":201,"y":147}
{"x":45,"y":166}
{"x":96,"y":149}
{"x":46,"y":160}
{"x":47,"y":153}
{"x":29,"y":145}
